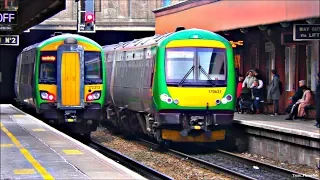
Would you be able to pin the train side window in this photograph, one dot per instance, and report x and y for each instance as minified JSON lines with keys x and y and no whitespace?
{"x":25,"y":74}
{"x":30,"y":74}
{"x":21,"y":73}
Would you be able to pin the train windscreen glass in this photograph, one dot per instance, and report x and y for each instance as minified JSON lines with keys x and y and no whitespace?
{"x":92,"y":67}
{"x":196,"y":66}
{"x":48,"y":67}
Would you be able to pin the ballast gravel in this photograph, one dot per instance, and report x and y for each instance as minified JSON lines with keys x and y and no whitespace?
{"x":300,"y":168}
{"x":174,"y":167}
{"x":237,"y":166}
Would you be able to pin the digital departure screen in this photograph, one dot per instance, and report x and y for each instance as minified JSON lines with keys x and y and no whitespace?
{"x":48,"y":58}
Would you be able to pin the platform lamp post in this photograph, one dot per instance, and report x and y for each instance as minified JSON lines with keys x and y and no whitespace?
{"x":86,"y":16}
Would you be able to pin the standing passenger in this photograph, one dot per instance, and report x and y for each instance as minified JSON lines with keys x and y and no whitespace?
{"x":318,"y":102}
{"x":274,"y":91}
{"x":248,"y":81}
{"x":239,"y":89}
{"x":257,"y":96}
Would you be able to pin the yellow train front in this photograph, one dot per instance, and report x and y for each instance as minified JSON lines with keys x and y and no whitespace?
{"x":63,"y":79}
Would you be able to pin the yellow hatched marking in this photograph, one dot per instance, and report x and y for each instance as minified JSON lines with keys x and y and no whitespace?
{"x":24,"y":171}
{"x":6,"y":145}
{"x":72,"y":152}
{"x":27,"y":155}
{"x":39,"y":129}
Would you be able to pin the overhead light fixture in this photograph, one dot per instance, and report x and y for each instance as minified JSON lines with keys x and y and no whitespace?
{"x":227,"y":33}
{"x":285,"y":24}
{"x":263,"y":27}
{"x":312,"y":20}
{"x":244,"y":30}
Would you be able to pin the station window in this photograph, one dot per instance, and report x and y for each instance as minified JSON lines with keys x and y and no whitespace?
{"x":312,"y":64}
{"x":290,"y":66}
{"x":97,"y":5}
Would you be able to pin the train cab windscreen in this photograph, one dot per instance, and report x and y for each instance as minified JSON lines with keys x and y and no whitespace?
{"x":196,"y":67}
{"x":48,"y":67}
{"x":92,"y":67}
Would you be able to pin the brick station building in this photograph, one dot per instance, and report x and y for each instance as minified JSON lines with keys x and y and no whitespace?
{"x":261,"y":33}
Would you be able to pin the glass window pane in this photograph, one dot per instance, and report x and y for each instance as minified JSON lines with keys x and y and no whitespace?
{"x":92,"y":67}
{"x":178,"y":62}
{"x":308,"y":65}
{"x":212,"y":61}
{"x":48,"y":67}
{"x":290,"y":55}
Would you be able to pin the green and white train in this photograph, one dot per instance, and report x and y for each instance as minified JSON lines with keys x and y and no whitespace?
{"x":176,"y":87}
{"x":64,"y":79}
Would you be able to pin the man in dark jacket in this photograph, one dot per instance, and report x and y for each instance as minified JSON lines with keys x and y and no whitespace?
{"x":298,"y":95}
{"x":318,"y":102}
{"x":274,"y":92}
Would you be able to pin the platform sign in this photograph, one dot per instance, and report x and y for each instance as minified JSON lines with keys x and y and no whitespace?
{"x":9,"y":40}
{"x":8,"y":17}
{"x":306,"y":32}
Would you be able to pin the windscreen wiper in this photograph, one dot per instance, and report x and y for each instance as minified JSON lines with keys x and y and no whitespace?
{"x":185,"y":76}
{"x":204,"y":72}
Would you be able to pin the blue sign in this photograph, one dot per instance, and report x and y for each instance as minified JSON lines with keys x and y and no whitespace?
{"x":8,"y":17}
{"x":9,"y":40}
{"x":306,"y":32}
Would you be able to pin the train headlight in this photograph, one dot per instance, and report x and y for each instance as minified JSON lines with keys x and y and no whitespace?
{"x":96,"y":95}
{"x":176,"y":101}
{"x":47,"y":96}
{"x":93,"y":96}
{"x":44,"y":95}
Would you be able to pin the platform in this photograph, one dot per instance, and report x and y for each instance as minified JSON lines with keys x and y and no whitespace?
{"x":296,"y":142}
{"x":278,"y":123}
{"x":31,"y":149}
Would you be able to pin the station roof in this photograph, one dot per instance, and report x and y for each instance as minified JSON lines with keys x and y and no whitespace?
{"x":222,"y":15}
{"x":33,"y":12}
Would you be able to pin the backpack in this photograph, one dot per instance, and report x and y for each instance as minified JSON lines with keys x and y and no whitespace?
{"x":280,"y":87}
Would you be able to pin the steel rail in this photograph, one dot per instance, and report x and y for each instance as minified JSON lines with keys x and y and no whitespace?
{"x":263,"y":165}
{"x":128,"y":162}
{"x":215,"y":167}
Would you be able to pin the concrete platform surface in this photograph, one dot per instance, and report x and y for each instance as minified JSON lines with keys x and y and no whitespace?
{"x":31,"y":149}
{"x":278,"y":123}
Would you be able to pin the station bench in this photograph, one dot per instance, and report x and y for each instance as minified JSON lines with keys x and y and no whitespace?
{"x":310,"y":112}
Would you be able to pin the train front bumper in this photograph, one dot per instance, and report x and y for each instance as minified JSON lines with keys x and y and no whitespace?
{"x":201,"y":137}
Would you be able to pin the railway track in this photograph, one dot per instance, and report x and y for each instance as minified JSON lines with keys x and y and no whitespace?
{"x":229,"y":164}
{"x":128,"y":162}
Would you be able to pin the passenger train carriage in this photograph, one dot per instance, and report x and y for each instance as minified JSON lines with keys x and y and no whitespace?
{"x":177,"y":87}
{"x":64,"y":79}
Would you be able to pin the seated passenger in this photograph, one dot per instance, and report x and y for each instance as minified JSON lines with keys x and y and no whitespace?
{"x":306,"y":100}
{"x":301,"y":103}
{"x":257,"y":96}
{"x":298,"y":95}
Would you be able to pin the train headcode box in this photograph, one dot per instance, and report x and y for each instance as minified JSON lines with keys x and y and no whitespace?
{"x":8,"y":17}
{"x":9,"y":40}
{"x":306,"y":32}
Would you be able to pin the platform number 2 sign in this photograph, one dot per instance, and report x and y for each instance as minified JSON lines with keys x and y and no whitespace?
{"x":9,"y":40}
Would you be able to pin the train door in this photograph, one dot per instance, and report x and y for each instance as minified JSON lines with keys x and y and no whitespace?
{"x":70,"y":75}
{"x":70,"y":79}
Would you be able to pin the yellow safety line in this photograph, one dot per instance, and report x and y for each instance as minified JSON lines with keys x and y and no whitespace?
{"x":27,"y":155}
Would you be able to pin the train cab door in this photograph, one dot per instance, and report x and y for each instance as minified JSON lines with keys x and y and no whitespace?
{"x":70,"y":75}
